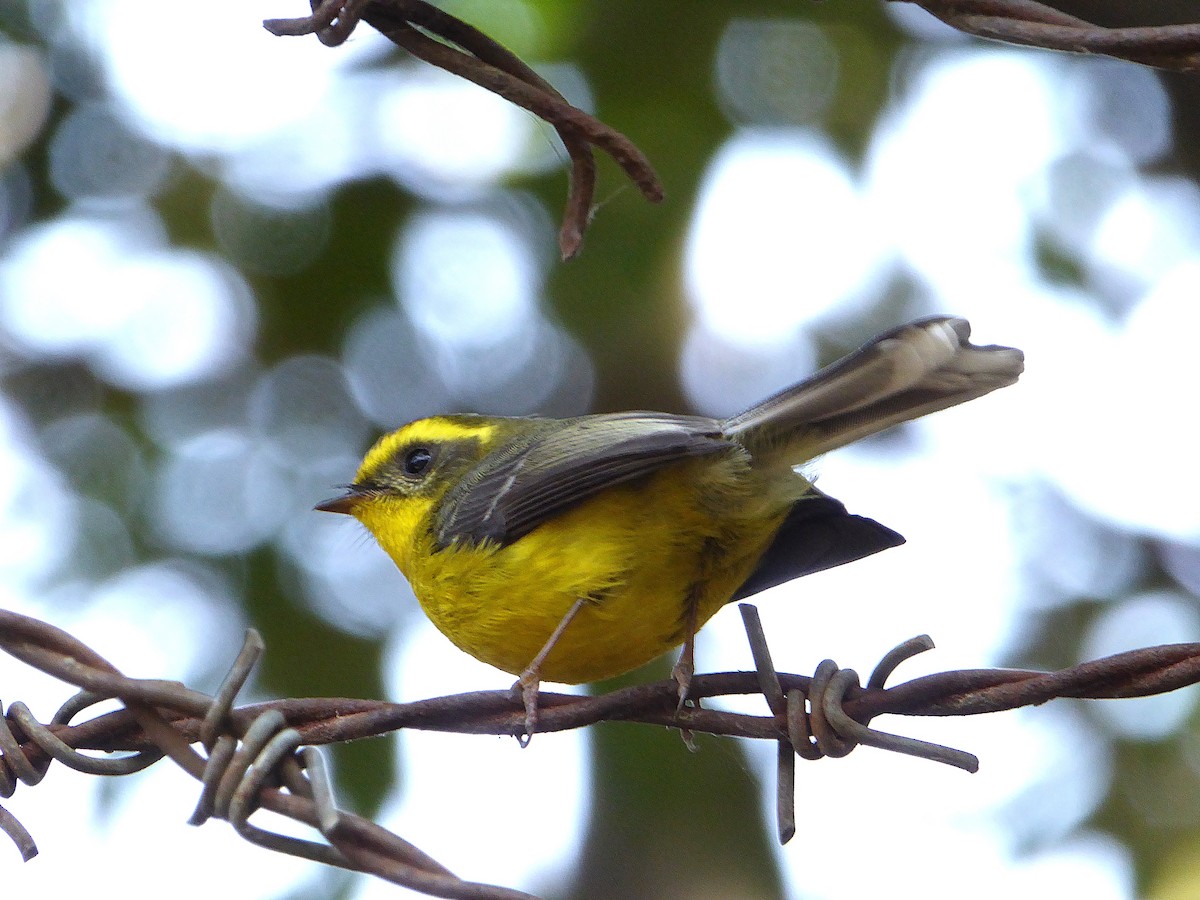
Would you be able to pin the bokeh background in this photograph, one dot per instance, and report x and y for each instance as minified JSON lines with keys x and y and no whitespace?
{"x":228,"y":261}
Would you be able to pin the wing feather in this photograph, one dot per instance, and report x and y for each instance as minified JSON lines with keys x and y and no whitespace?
{"x":554,"y":468}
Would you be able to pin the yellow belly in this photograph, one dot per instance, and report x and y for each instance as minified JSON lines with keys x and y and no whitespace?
{"x":639,"y":553}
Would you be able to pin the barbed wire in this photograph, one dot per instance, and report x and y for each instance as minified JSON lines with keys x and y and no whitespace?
{"x":473,"y":55}
{"x":264,"y":755}
{"x":463,"y":50}
{"x":1034,"y":24}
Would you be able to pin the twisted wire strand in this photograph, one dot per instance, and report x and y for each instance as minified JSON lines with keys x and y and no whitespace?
{"x":815,"y":724}
{"x":263,"y":755}
{"x":250,"y":764}
{"x":470,"y":54}
{"x":237,"y":774}
{"x":1034,"y":24}
{"x":17,"y":766}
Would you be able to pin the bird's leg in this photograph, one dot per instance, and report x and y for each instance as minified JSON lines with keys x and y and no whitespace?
{"x":685,"y":667}
{"x":526,"y":686}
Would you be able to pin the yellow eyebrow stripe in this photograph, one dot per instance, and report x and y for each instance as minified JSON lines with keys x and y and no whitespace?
{"x":434,"y":430}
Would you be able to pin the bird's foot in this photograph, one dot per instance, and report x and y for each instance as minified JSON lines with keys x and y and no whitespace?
{"x":682,"y":674}
{"x":525,"y":689}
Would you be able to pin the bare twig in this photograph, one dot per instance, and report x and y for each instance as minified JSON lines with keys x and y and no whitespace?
{"x":469,"y":53}
{"x":1034,"y":24}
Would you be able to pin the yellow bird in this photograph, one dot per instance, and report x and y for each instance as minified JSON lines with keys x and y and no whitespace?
{"x":577,"y":549}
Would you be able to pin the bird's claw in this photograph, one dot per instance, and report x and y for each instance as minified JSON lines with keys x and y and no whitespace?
{"x":525,"y":688}
{"x":682,"y":673}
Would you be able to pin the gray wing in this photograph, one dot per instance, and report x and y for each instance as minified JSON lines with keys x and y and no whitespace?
{"x":516,"y":489}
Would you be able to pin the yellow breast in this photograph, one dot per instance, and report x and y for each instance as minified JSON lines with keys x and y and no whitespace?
{"x":638,"y":552}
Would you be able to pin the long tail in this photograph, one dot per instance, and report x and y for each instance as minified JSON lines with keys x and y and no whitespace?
{"x":913,"y":370}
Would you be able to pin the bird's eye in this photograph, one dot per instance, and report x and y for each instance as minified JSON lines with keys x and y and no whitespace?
{"x":417,"y":461}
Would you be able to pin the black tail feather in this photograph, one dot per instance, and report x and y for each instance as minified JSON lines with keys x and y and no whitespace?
{"x":817,"y":534}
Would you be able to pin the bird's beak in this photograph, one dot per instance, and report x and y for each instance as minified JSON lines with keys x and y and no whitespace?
{"x":343,"y":504}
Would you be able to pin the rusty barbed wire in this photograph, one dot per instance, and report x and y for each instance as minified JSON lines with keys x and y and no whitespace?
{"x":1034,"y":24}
{"x":443,"y":40}
{"x":473,"y":55}
{"x":264,"y":754}
{"x":253,"y":761}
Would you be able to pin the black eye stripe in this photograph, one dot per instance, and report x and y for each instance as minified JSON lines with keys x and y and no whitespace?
{"x":417,"y":460}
